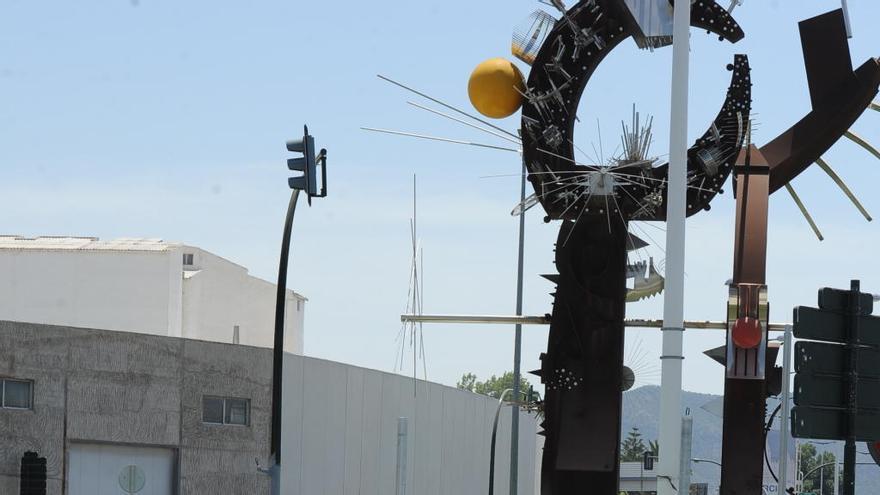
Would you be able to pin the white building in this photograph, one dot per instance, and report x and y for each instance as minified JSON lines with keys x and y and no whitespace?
{"x":141,"y":285}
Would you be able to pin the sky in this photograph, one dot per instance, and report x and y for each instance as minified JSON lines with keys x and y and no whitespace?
{"x":168,"y":119}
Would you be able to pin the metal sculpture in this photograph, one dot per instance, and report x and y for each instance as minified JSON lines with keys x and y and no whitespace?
{"x":839,"y":96}
{"x":583,"y":366}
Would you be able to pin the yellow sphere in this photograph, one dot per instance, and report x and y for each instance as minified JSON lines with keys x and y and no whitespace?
{"x":494,"y":88}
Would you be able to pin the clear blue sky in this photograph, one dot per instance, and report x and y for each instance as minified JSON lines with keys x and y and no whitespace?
{"x":168,"y":119}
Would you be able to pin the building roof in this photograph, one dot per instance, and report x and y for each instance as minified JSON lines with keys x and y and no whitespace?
{"x":65,"y":243}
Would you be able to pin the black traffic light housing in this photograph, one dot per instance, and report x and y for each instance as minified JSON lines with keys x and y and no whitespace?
{"x":33,"y":474}
{"x":308,"y":165}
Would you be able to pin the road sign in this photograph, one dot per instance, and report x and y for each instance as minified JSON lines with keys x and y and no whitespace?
{"x":830,"y":424}
{"x":831,"y":391}
{"x":821,"y":358}
{"x":838,"y":300}
{"x":831,"y":326}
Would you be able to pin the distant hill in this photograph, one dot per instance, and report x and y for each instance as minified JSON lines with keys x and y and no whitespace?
{"x":641,"y":408}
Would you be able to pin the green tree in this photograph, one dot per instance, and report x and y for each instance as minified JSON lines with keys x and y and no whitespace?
{"x":494,"y":386}
{"x":633,"y":448}
{"x":654,"y":447}
{"x":810,"y":460}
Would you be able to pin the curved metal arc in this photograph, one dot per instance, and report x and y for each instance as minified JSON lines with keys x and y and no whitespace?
{"x":843,"y":187}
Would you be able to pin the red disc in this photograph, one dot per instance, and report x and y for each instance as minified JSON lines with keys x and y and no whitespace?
{"x":747,"y":332}
{"x":877,"y":446}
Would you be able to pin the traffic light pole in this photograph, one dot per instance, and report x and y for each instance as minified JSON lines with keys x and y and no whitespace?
{"x":849,"y":450}
{"x":278,"y":349}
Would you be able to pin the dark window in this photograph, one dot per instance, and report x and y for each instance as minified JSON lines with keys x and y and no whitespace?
{"x":226,"y":411}
{"x":187,"y":259}
{"x":16,"y":394}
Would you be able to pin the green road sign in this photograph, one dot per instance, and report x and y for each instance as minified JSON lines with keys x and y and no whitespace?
{"x":824,"y":359}
{"x":816,"y":324}
{"x":831,"y":391}
{"x":830,"y":424}
{"x":838,"y":300}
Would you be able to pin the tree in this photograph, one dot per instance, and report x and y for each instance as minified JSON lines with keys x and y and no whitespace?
{"x":494,"y":386}
{"x":810,"y":460}
{"x":633,"y":448}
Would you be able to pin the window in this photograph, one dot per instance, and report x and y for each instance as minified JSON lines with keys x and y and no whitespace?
{"x":226,"y":411}
{"x":187,"y":259}
{"x":16,"y":394}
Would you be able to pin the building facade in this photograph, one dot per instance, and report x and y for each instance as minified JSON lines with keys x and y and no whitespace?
{"x":141,"y":285}
{"x":123,"y":412}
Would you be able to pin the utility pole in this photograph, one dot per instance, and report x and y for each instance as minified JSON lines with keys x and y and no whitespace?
{"x":673,"y":296}
{"x":517,"y":346}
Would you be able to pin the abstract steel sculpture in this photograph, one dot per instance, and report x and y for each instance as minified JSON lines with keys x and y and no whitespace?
{"x":582,"y":368}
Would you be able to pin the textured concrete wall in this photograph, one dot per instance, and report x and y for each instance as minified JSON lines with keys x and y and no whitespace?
{"x":340,"y":421}
{"x":134,"y":389}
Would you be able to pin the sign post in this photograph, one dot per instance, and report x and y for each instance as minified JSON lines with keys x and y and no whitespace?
{"x":837,"y":381}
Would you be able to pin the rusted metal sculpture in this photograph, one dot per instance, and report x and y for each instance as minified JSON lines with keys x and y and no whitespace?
{"x":839,"y":96}
{"x":582,"y":368}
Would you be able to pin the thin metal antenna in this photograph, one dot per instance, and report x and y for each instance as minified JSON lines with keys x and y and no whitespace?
{"x":804,"y":211}
{"x":444,"y":140}
{"x":849,"y":194}
{"x":435,"y":100}
{"x":862,"y":142}
{"x":450,"y":117}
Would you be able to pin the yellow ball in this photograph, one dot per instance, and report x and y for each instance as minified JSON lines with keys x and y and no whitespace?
{"x":494,"y":88}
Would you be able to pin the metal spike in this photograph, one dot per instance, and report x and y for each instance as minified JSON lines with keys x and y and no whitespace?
{"x":863,"y":143}
{"x":804,"y":211}
{"x":837,"y":180}
{"x":551,"y":277}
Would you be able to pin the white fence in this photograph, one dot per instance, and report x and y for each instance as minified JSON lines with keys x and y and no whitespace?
{"x":340,"y":434}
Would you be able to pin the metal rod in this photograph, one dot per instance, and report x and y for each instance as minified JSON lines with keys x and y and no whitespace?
{"x":444,"y":140}
{"x":874,"y":106}
{"x":544,"y":320}
{"x":278,"y":349}
{"x":843,"y":187}
{"x":786,"y":410}
{"x":673,"y":296}
{"x":862,"y":142}
{"x":461,"y":121}
{"x":435,"y":100}
{"x":517,"y":345}
{"x":846,"y":19}
{"x":804,"y":211}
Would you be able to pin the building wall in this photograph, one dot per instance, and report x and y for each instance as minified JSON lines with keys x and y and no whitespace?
{"x":117,"y":290}
{"x":340,"y":422}
{"x":340,"y":434}
{"x":218,"y":295}
{"x":124,"y":388}
{"x":145,"y":292}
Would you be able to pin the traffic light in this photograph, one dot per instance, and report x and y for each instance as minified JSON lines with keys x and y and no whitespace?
{"x":33,"y":474}
{"x":308,"y":165}
{"x":747,"y":314}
